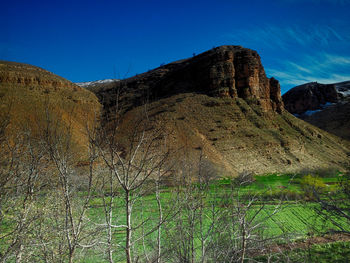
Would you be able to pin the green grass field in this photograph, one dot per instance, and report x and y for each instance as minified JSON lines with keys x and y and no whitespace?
{"x":295,"y":217}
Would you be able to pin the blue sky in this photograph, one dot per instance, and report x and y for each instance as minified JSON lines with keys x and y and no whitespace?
{"x":298,"y":40}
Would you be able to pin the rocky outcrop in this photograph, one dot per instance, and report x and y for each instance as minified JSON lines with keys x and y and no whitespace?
{"x":225,"y":71}
{"x":309,"y":96}
{"x":30,"y":80}
{"x":24,"y":74}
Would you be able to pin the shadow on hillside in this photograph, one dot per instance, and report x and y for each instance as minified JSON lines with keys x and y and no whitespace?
{"x":323,"y":172}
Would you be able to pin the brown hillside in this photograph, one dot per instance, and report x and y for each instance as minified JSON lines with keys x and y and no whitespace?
{"x":334,"y":119}
{"x":236,"y":136}
{"x":28,"y":93}
{"x":221,"y":103}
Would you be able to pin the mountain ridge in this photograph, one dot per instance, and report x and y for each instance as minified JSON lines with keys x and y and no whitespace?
{"x":221,"y":104}
{"x":326,"y":106}
{"x":88,"y":84}
{"x":225,"y":71}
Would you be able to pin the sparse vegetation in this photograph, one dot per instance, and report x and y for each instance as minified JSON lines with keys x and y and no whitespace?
{"x":205,"y":207}
{"x":80,"y":186}
{"x":323,"y":253}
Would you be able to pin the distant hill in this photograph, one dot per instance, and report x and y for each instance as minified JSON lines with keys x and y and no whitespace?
{"x":29,"y":93}
{"x":221,"y":104}
{"x":326,"y":106}
{"x":89,"y":84}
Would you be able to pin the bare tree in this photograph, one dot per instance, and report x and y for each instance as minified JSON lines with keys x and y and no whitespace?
{"x":58,"y":142}
{"x":334,"y":208}
{"x":240,"y":232}
{"x":218,"y":223}
{"x":22,"y":173}
{"x":189,"y":236}
{"x":134,"y":165}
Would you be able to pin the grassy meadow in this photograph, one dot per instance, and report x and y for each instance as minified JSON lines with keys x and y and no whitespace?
{"x":279,"y":207}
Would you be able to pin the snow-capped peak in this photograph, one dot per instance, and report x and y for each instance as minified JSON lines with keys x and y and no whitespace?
{"x":92,"y":83}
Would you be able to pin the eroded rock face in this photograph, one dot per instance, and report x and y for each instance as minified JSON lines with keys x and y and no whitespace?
{"x":309,"y":96}
{"x":225,"y":71}
{"x":239,"y":73}
{"x":24,"y":74}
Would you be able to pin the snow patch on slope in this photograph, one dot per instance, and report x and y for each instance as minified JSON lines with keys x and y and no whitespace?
{"x":343,"y":88}
{"x":345,"y":93}
{"x":311,"y":112}
{"x":92,"y":83}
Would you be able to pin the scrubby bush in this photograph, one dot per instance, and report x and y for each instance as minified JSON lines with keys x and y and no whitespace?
{"x":244,"y":178}
{"x":309,"y":184}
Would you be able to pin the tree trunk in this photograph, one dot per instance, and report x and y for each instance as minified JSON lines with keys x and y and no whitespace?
{"x":109,"y":235}
{"x":128,"y":228}
{"x":71,"y":255}
{"x":244,"y":241}
{"x":160,"y":223}
{"x":19,"y":254}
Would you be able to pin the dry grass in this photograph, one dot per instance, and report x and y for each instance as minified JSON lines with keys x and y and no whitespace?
{"x":236,"y":136}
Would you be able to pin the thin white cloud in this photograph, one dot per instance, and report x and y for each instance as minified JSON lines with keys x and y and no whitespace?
{"x":301,"y":54}
{"x":322,"y":67}
{"x":284,"y":38}
{"x":295,"y":79}
{"x":338,"y":36}
{"x":300,"y":68}
{"x":337,"y":60}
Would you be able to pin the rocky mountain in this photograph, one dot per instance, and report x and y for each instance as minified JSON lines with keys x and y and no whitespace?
{"x":221,"y":105}
{"x":30,"y":95}
{"x":226,"y":71}
{"x":326,"y":106}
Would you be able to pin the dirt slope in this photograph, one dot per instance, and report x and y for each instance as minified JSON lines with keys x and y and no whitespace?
{"x":222,"y":104}
{"x":27,"y":93}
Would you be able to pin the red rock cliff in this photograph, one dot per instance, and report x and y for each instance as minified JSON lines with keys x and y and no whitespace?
{"x":225,"y":71}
